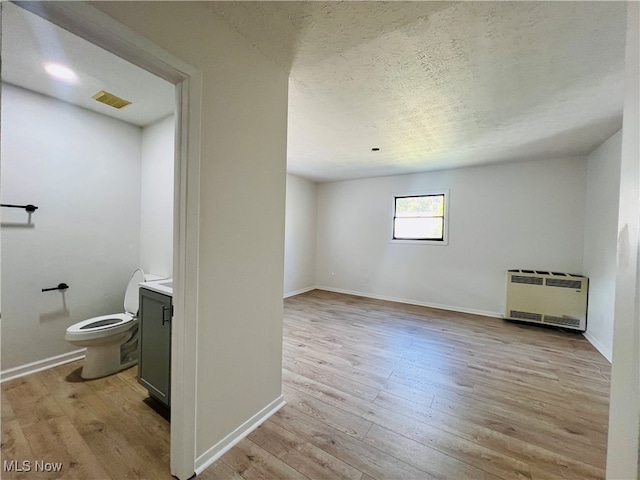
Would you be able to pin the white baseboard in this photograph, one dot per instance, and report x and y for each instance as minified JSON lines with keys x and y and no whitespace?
{"x":33,"y":367}
{"x":220,"y":448}
{"x":606,"y":352}
{"x":298,"y":292}
{"x":414,"y":302}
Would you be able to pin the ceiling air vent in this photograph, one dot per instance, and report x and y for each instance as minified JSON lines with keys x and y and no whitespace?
{"x":111,"y":99}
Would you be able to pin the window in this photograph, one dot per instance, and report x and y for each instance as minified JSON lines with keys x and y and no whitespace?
{"x":420,"y":218}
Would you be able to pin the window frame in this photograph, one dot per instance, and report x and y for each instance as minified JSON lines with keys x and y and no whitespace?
{"x":445,"y":221}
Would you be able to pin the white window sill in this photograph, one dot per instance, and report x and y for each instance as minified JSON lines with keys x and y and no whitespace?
{"x":421,"y":242}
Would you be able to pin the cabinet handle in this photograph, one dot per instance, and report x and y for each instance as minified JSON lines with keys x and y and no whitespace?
{"x":166,"y":309}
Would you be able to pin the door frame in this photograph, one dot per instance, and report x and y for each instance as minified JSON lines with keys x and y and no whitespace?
{"x":100,"y":29}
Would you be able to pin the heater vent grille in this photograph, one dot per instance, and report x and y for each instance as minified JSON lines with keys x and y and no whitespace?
{"x":562,"y":321}
{"x":525,"y":315}
{"x":558,"y":282}
{"x":547,"y":297}
{"x":111,"y":99}
{"x":527,"y":280}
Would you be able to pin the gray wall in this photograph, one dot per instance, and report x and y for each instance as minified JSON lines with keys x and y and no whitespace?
{"x":300,"y":235}
{"x":156,"y":197}
{"x":242,"y":212}
{"x":622,"y":450}
{"x":82,"y":170}
{"x":600,"y":241}
{"x":518,"y":215}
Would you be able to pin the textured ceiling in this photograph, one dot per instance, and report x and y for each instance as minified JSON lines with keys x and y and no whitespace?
{"x":434,"y":85}
{"x":439,"y":85}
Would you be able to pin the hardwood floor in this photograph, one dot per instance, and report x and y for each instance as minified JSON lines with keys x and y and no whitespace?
{"x":98,"y":429}
{"x":374,"y":390}
{"x":382,"y":390}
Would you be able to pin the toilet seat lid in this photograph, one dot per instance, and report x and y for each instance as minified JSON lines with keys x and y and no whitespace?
{"x":131,"y":296}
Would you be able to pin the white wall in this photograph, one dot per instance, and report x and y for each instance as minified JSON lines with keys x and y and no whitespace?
{"x":156,"y":198}
{"x":82,"y":171}
{"x":622,"y":451}
{"x":300,"y":236}
{"x":519,"y":215}
{"x":601,"y":227}
{"x":242,"y":220}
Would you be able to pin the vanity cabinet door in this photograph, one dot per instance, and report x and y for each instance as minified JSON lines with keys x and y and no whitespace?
{"x":154,"y":364}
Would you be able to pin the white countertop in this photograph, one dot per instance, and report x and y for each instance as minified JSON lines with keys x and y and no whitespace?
{"x":164,"y":287}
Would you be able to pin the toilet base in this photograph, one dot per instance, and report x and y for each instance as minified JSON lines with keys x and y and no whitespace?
{"x":103,"y":360}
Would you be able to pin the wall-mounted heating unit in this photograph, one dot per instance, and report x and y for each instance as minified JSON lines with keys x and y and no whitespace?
{"x":549,"y":298}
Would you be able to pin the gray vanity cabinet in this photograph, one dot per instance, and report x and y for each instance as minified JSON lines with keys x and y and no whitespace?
{"x":154,"y":361}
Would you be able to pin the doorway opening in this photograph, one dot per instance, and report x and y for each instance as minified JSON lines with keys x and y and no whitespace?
{"x":102,"y":31}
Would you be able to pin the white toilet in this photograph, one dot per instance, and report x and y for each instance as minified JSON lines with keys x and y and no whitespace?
{"x":111,"y":340}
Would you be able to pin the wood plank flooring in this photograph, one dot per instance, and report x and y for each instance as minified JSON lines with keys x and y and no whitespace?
{"x":374,"y":390}
{"x":98,"y":429}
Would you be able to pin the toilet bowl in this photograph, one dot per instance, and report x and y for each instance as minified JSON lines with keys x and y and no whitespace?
{"x":111,"y":340}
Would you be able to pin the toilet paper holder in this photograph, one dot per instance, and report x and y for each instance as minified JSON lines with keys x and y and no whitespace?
{"x":61,"y":286}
